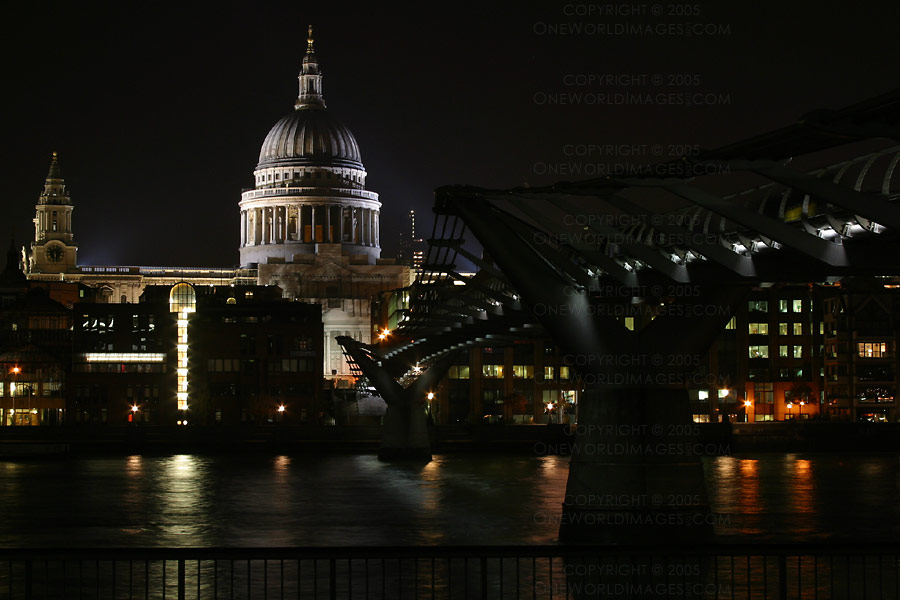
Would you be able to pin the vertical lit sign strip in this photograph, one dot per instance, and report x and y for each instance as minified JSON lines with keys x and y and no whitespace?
{"x":182,"y":300}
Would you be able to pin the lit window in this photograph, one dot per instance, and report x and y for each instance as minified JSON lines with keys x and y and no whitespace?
{"x":523,"y":371}
{"x":731,"y":324}
{"x":548,"y":373}
{"x":797,"y":306}
{"x":798,"y":328}
{"x":783,"y":351}
{"x":872,"y":349}
{"x":759,"y":351}
{"x":492,"y":370}
{"x":783,"y":306}
{"x":798,"y":351}
{"x":759,"y":305}
{"x":459,"y":372}
{"x":759,"y":328}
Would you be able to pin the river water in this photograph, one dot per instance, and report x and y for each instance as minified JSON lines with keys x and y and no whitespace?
{"x":340,"y":500}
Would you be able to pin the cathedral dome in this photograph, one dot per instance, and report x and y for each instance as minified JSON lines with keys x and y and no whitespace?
{"x":310,"y":137}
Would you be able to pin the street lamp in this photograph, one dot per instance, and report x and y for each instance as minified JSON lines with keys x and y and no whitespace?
{"x":12,"y":391}
{"x":802,"y":402}
{"x":790,"y":405}
{"x":747,"y":405}
{"x":430,"y":397}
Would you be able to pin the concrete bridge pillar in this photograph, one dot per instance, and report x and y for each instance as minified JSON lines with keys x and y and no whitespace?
{"x":635,"y":474}
{"x":405,"y":428}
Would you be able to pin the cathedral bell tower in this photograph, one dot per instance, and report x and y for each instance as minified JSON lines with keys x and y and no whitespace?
{"x":53,"y":249}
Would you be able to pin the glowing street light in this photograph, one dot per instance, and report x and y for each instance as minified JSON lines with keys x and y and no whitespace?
{"x":16,"y":370}
{"x":281,"y":408}
{"x":134,"y":408}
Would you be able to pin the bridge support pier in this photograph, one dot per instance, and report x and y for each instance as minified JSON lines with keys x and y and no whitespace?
{"x":404,"y":434}
{"x":635,"y":474}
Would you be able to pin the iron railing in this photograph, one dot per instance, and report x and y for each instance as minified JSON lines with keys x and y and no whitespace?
{"x":778,"y":571}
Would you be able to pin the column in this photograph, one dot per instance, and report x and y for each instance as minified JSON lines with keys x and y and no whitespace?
{"x":326,"y":237}
{"x":312,"y":224}
{"x":273,"y":224}
{"x":364,"y":222}
{"x":339,"y":230}
{"x":281,"y":225}
{"x":300,"y":223}
{"x":377,"y":230}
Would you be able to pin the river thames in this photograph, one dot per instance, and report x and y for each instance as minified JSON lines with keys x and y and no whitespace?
{"x":355,"y":500}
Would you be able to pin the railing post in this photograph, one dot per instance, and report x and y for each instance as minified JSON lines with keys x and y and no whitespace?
{"x":484,"y":585}
{"x":181,"y":595}
{"x":332,"y":579}
{"x":28,"y":580}
{"x":782,"y":576}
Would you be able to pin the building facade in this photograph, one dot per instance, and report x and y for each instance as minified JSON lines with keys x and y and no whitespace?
{"x":309,"y":226}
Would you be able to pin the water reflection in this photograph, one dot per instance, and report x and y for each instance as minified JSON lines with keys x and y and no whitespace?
{"x":188,"y":500}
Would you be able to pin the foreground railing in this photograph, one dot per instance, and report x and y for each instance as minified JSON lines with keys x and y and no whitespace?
{"x":482,"y":572}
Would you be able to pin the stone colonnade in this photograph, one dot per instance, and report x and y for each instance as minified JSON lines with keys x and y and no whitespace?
{"x":310,"y":223}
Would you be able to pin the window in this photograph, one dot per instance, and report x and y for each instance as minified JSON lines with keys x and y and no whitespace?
{"x":872,"y":349}
{"x":703,"y":395}
{"x":783,"y":306}
{"x":782,"y":329}
{"x":797,"y":306}
{"x":759,"y":351}
{"x":492,"y":370}
{"x":548,"y":373}
{"x":798,"y":351}
{"x":759,"y":328}
{"x":798,"y":328}
{"x":758,"y":306}
{"x":765,"y":393}
{"x":459,"y":372}
{"x":783,"y":351}
{"x":731,"y":324}
{"x":564,"y":372}
{"x":524,"y":371}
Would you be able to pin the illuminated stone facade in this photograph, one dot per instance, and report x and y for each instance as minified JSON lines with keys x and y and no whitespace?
{"x":308,"y":226}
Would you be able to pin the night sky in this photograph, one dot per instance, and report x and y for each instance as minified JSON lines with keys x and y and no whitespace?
{"x":159,"y":113}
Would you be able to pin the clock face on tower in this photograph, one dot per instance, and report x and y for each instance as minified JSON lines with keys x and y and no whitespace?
{"x":54,"y":253}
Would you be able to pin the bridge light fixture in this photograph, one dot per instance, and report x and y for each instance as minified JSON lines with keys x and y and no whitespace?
{"x":431,"y":395}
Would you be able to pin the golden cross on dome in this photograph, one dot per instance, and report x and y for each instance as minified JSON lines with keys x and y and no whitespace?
{"x":309,"y":40}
